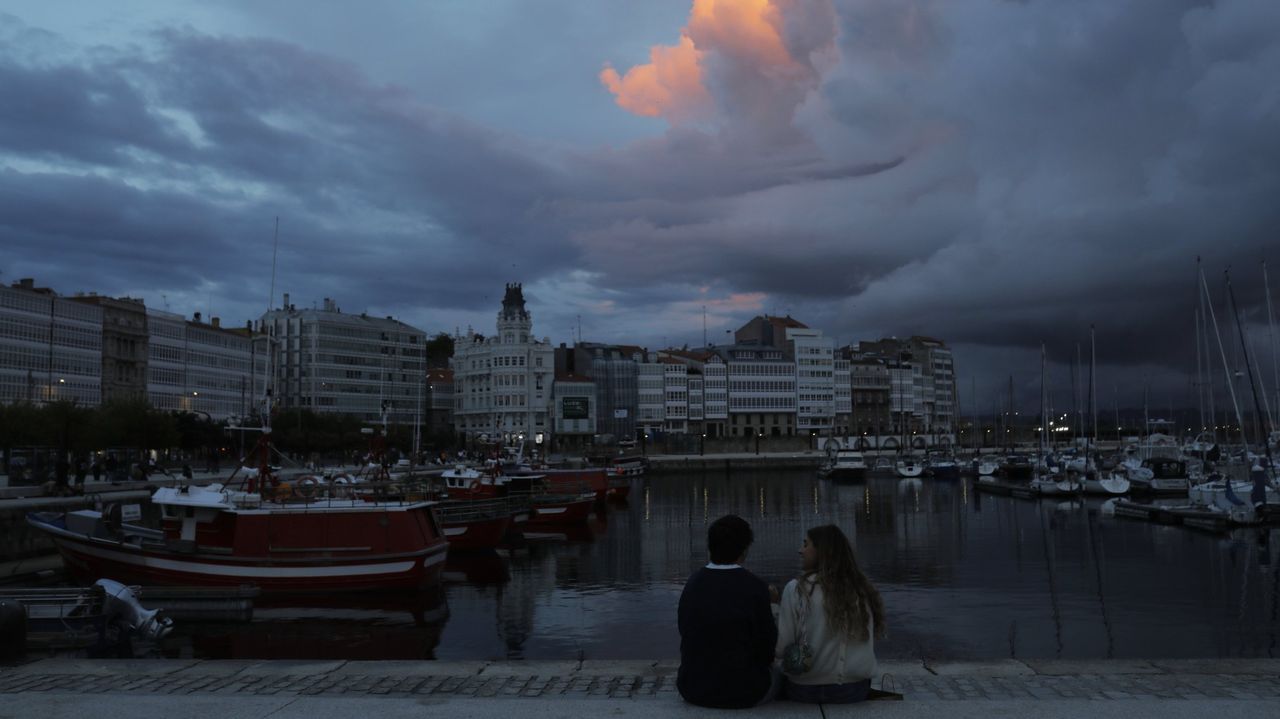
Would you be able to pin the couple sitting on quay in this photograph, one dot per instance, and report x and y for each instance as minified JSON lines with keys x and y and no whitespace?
{"x":742,"y":645}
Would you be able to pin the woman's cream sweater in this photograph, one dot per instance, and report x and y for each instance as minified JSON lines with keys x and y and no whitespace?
{"x":836,"y":660}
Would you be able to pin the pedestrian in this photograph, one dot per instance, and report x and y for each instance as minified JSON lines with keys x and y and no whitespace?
{"x":727,"y":631}
{"x":113,"y":467}
{"x":81,"y":470}
{"x":828,"y":622}
{"x":97,"y":469}
{"x":186,"y":471}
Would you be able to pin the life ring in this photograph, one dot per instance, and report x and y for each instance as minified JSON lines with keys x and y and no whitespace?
{"x":307,"y":487}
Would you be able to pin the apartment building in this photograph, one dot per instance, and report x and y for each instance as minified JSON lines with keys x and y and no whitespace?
{"x":574,"y":412}
{"x":193,"y":366}
{"x":613,"y":370}
{"x":503,"y":383}
{"x":761,"y":391}
{"x":50,"y":347}
{"x":327,"y":360}
{"x":124,"y":346}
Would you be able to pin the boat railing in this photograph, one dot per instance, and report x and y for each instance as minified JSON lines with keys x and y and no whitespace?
{"x":472,"y":510}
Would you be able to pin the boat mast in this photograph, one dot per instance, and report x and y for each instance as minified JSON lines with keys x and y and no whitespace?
{"x":1262,"y":425}
{"x":1208,"y":356}
{"x":1078,"y":425}
{"x":1093,"y":394}
{"x":1199,"y":376}
{"x":1271,"y":330}
{"x":1222,"y":352}
{"x":1041,"y":461}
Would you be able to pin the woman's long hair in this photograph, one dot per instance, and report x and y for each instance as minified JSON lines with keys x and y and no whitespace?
{"x":847,"y":593}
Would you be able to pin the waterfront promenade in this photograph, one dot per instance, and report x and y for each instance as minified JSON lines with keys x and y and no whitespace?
{"x":143,"y":689}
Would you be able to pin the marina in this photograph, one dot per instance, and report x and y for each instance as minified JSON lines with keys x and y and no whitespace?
{"x":963,"y":573}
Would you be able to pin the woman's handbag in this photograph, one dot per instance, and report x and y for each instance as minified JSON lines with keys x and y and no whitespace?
{"x":797,"y":658}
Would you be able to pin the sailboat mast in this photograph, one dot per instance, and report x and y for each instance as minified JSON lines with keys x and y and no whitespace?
{"x":1222,"y":352}
{"x":1199,"y":374}
{"x":1208,"y":356}
{"x":1262,"y":425}
{"x":1044,"y":417}
{"x":1093,"y":386}
{"x":1271,"y":330}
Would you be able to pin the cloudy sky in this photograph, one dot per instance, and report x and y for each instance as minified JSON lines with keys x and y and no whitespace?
{"x":996,"y":173}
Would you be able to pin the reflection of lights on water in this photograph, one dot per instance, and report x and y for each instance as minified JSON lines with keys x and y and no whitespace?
{"x":646,"y":504}
{"x":762,"y":501}
{"x":866,"y":500}
{"x":815,"y":499}
{"x":964,"y":492}
{"x":704,"y":504}
{"x":917,"y":494}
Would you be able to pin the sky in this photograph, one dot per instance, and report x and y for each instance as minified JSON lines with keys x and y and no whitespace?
{"x":995,"y":173}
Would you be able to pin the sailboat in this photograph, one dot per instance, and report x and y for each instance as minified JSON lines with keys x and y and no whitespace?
{"x":1048,"y":478}
{"x":1113,"y":483}
{"x":1222,"y":493}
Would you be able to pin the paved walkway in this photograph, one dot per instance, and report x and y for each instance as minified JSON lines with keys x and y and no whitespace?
{"x":140,"y":689}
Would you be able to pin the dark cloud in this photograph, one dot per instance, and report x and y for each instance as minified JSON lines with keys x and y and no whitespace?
{"x":997,"y":174}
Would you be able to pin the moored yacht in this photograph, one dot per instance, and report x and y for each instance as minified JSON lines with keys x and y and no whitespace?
{"x":847,"y":465}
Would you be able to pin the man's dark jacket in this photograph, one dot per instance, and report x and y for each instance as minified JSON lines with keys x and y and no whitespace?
{"x":727,"y":637}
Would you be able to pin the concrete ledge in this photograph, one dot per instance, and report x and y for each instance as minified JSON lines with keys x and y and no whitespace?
{"x":283,"y":668}
{"x":997,"y":668}
{"x":1060,"y":667}
{"x":524,"y":669}
{"x":105,"y":667}
{"x":219,"y":667}
{"x":1218,"y":666}
{"x":901,"y":670}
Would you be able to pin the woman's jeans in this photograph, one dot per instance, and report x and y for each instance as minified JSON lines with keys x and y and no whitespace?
{"x":828,"y":693}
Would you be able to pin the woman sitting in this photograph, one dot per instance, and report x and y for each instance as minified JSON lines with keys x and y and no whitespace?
{"x":834,"y":612}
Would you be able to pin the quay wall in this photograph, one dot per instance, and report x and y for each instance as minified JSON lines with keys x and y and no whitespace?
{"x":733,"y":462}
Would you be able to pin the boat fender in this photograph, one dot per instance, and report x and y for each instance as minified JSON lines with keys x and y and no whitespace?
{"x":283,"y":491}
{"x":307,"y":487}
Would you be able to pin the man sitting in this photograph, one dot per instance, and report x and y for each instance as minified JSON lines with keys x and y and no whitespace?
{"x":727,"y":631}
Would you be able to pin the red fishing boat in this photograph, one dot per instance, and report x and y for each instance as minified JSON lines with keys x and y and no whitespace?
{"x":283,"y":537}
{"x":475,"y":524}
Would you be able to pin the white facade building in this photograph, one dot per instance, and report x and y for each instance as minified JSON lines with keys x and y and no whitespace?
{"x":843,"y":396}
{"x":815,"y":379}
{"x":326,"y":360}
{"x":762,"y":391}
{"x":675,"y":391}
{"x":503,"y":384}
{"x":50,"y":347}
{"x":197,"y":367}
{"x":651,"y":400}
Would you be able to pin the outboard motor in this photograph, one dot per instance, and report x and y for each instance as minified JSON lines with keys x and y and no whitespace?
{"x":121,"y":604}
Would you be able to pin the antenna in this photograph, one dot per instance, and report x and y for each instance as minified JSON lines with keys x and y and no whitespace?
{"x":165,"y":297}
{"x":274,"y":251}
{"x":704,"y":326}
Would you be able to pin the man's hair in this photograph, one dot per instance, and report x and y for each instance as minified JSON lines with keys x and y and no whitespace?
{"x":728,"y":538}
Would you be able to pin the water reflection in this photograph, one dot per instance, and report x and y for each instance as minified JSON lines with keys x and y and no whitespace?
{"x":964,"y":575}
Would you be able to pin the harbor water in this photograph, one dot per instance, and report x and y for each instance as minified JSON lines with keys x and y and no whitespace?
{"x":963,"y":576}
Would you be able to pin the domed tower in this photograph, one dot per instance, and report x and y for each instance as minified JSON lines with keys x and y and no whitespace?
{"x":514,"y":323}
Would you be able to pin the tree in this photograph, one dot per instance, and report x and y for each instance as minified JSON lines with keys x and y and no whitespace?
{"x":438,"y":351}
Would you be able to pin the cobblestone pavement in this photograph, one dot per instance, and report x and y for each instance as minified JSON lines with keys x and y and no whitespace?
{"x":1100,"y":680}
